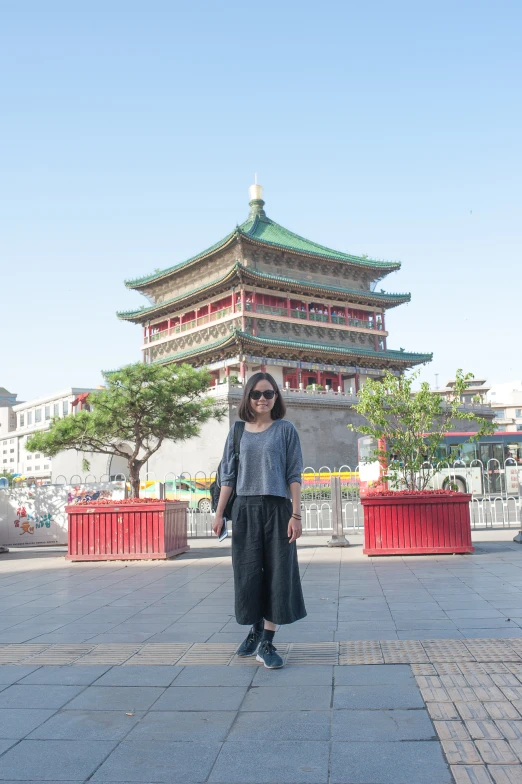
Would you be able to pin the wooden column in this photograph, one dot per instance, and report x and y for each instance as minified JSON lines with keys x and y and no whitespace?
{"x":356,"y":382}
{"x":318,"y":377}
{"x":340,"y":380}
{"x":307,"y":311}
{"x":243,"y":302}
{"x":243,"y":370}
{"x":329,"y":313}
{"x":233,"y":301}
{"x":346,"y":317}
{"x":288,"y":309}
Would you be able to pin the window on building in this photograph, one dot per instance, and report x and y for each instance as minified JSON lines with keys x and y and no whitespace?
{"x":46,"y":465}
{"x":502,"y":429}
{"x":500,"y":414}
{"x":37,"y":457}
{"x":56,"y":409}
{"x":38,"y":415}
{"x":22,"y":420}
{"x":11,"y":459}
{"x":518,"y":412}
{"x":29,"y":417}
{"x":29,"y":457}
{"x":65,"y":407}
{"x":47,"y":412}
{"x":37,"y":468}
{"x":11,"y":451}
{"x":11,"y":440}
{"x":519,"y":428}
{"x":4,"y":461}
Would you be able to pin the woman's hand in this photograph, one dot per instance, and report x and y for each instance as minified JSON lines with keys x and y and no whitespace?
{"x":217,"y":525}
{"x":295,"y":529}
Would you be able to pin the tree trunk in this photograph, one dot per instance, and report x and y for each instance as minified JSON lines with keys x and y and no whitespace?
{"x":134,"y":475}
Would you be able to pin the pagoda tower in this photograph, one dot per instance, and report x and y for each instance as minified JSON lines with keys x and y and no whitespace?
{"x":264,"y":298}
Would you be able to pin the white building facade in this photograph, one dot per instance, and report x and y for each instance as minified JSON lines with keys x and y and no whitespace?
{"x":506,"y":401}
{"x":19,"y":422}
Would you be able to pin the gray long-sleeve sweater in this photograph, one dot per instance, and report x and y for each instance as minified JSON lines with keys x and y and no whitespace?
{"x":268,"y":461}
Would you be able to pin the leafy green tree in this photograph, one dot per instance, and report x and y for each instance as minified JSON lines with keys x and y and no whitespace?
{"x":140,"y":406}
{"x":412,"y":426}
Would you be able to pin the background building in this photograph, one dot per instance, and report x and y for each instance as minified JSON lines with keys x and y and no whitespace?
{"x":264,"y":298}
{"x":506,"y":401}
{"x":24,"y":419}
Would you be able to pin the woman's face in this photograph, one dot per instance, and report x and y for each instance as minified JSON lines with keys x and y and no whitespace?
{"x":262,"y":405}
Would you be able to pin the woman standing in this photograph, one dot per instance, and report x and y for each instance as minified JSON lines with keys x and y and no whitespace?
{"x":266,"y":518}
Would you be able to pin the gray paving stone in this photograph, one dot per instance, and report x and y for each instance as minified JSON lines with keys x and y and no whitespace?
{"x":140,"y":675}
{"x":277,"y":762}
{"x":184,"y":725}
{"x":50,"y":760}
{"x":376,"y":634}
{"x":215,"y":676}
{"x":282,"y":725}
{"x":11,"y":673}
{"x":499,"y":634}
{"x":430,"y":634}
{"x":159,"y":761}
{"x":289,"y":698}
{"x":383,"y":696}
{"x":86,"y":725}
{"x":6,"y":743}
{"x":64,"y":675}
{"x":393,"y":763}
{"x":373,"y":675}
{"x":316,"y":675}
{"x":127,"y":698}
{"x":381,"y":725}
{"x":17,"y":723}
{"x":28,"y":697}
{"x":183,"y":698}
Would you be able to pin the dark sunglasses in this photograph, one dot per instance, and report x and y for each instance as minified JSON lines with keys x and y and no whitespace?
{"x":268,"y":394}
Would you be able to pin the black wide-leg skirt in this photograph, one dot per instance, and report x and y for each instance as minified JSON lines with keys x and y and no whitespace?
{"x":266,"y":573}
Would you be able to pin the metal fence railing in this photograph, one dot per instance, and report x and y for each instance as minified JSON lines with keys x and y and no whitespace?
{"x":494,"y":488}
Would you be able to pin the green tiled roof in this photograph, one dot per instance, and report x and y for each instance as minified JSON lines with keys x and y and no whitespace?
{"x":130,"y":314}
{"x":366,"y":352}
{"x":371,"y":296}
{"x":237,"y":336}
{"x":269,"y":232}
{"x":265,"y":231}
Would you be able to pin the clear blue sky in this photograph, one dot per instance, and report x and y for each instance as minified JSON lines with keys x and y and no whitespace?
{"x":130,"y":132}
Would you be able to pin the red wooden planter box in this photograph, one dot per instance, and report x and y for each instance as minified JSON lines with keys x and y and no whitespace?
{"x":417,"y":524}
{"x":99,"y":532}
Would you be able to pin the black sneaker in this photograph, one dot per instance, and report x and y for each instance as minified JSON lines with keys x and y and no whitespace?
{"x":249,"y":645}
{"x":266,"y":653}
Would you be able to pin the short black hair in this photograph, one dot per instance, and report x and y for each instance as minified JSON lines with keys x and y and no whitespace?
{"x":245,"y":412}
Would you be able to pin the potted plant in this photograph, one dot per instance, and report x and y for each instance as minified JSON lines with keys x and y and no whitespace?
{"x":138,"y":409}
{"x":402,"y":514}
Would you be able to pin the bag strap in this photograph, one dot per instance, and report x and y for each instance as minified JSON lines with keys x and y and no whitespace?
{"x":239,"y":428}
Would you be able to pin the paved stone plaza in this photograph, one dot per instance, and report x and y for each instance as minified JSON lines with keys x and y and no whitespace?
{"x":405,"y":670}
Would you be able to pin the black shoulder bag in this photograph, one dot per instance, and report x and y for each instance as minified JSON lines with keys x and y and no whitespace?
{"x":215,"y":487}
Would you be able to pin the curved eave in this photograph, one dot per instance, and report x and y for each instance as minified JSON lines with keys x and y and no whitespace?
{"x":137,"y":316}
{"x":294,"y":284}
{"x":402,"y":357}
{"x":319,"y":251}
{"x":365,"y":297}
{"x":242,"y":339}
{"x":139,"y":283}
{"x":198,"y":351}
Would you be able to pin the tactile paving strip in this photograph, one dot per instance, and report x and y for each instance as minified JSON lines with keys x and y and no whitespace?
{"x":208,"y":653}
{"x":160,"y":653}
{"x":447,"y":656}
{"x":109,"y":653}
{"x":360,"y":652}
{"x":313,"y":653}
{"x":60,"y":654}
